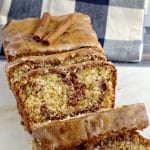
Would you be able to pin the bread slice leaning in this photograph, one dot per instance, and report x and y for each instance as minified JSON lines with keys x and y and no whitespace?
{"x":130,"y":140}
{"x":56,"y":93}
{"x":89,"y":128}
{"x":21,"y":66}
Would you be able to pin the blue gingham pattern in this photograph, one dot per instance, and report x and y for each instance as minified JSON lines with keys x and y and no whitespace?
{"x":146,"y":54}
{"x":118,"y":23}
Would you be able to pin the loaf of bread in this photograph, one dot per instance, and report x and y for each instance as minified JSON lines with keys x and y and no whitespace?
{"x":89,"y":128}
{"x":130,"y":140}
{"x":65,"y":87}
{"x":20,"y":66}
{"x":59,"y":92}
{"x":18,"y":37}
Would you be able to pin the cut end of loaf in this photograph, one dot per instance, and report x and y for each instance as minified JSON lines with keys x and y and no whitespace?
{"x":56,"y":94}
{"x":131,"y":140}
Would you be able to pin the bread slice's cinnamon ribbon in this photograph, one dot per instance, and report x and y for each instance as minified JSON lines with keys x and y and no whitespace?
{"x":42,"y":27}
{"x":62,"y":27}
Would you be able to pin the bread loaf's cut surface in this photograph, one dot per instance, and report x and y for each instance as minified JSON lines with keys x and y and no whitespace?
{"x":129,"y":141}
{"x":61,"y":92}
{"x":21,"y":66}
{"x":18,"y":37}
{"x":89,"y":128}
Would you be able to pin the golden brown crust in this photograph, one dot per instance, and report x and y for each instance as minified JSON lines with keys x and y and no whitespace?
{"x":59,"y":70}
{"x":65,"y":58}
{"x":18,"y":41}
{"x":73,"y":132}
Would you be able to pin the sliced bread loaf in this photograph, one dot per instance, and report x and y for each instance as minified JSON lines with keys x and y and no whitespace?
{"x":60,"y":96}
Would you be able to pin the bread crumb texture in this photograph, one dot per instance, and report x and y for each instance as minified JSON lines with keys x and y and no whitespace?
{"x":57,"y":96}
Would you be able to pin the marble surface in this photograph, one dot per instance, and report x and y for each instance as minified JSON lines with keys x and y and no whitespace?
{"x":133,"y":87}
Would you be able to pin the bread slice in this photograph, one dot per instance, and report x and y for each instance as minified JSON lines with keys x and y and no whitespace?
{"x":22,"y":65}
{"x":61,"y":92}
{"x":89,"y":128}
{"x":18,"y":37}
{"x":129,"y":141}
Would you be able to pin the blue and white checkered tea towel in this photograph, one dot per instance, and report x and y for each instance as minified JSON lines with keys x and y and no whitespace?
{"x":147,"y":32}
{"x":118,"y":23}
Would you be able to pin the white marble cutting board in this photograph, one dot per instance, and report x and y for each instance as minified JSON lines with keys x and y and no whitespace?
{"x":133,"y":87}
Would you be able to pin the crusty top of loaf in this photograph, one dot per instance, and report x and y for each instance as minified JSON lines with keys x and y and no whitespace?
{"x":18,"y":40}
